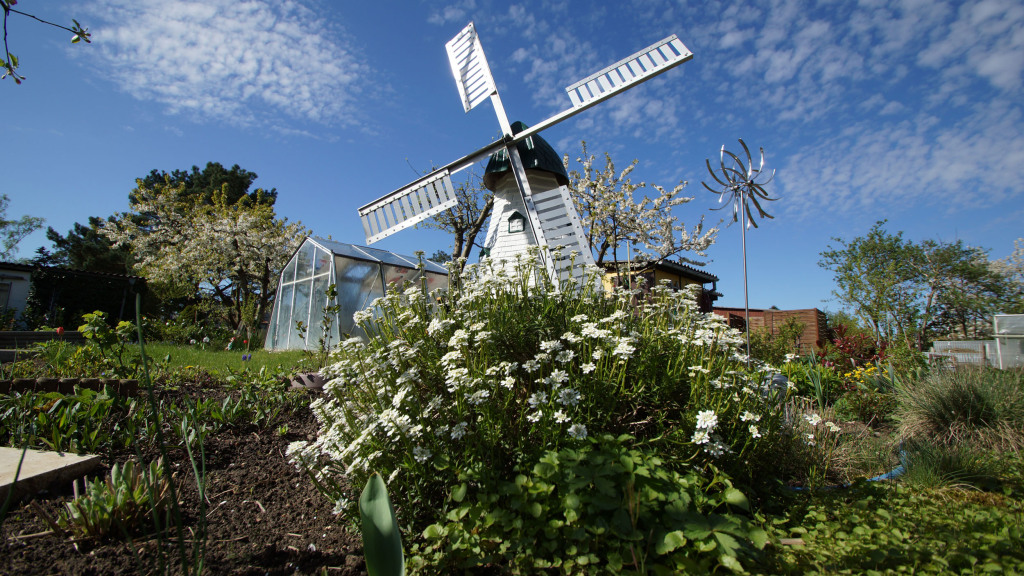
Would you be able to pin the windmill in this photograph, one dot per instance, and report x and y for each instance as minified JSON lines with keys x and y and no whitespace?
{"x":530,"y":208}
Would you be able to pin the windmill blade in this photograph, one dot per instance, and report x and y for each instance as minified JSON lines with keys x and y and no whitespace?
{"x":469,"y":66}
{"x":625,"y":73}
{"x":408,"y":206}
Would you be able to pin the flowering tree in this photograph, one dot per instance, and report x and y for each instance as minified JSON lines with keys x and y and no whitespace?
{"x":230,"y":253}
{"x":612,"y":215}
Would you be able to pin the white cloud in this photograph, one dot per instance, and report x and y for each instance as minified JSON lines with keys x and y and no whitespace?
{"x":452,"y":13}
{"x":249,"y":63}
{"x":921,"y":162}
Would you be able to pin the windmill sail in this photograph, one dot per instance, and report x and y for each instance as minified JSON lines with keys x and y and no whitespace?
{"x":408,"y":206}
{"x":469,"y":66}
{"x":643,"y":65}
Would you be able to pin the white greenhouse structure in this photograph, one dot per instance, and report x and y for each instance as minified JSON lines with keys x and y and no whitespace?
{"x":360,"y":275}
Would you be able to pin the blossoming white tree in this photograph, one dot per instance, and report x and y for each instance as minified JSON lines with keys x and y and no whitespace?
{"x":613,"y":216}
{"x":231,"y":253}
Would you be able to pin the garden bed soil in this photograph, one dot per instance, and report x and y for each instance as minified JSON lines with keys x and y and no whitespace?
{"x":263,"y":517}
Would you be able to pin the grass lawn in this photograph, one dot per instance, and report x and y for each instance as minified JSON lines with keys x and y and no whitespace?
{"x":221,"y":361}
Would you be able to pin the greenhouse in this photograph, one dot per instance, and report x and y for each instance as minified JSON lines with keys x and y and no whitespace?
{"x":359,"y":274}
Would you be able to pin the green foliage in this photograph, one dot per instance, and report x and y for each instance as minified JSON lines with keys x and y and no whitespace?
{"x":86,"y":422}
{"x":84,"y":248}
{"x":871,"y":407}
{"x":119,"y":506}
{"x":607,"y":507}
{"x":980,"y":406}
{"x":931,"y":465}
{"x":877,"y":529}
{"x":89,"y":421}
{"x":382,"y":541}
{"x":112,"y":344}
{"x":13,"y":231}
{"x":814,"y":380}
{"x":10,"y":62}
{"x":916,"y":292}
{"x":777,"y":349}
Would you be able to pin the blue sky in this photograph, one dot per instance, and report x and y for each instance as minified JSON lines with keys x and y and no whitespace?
{"x":909,"y":111}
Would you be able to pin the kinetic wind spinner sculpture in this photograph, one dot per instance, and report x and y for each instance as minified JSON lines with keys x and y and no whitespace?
{"x":740,"y":183}
{"x":537,"y":209}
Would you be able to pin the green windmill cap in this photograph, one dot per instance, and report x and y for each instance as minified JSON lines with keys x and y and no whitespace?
{"x":536,"y":153}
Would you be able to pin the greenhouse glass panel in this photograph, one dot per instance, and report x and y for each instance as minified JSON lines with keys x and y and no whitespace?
{"x":300,"y":310}
{"x":435,"y":281}
{"x":318,"y":312}
{"x":304,"y":261}
{"x":289,"y":272}
{"x":284,"y":317}
{"x":359,"y":284}
{"x":396,"y":276}
{"x":321,"y":262}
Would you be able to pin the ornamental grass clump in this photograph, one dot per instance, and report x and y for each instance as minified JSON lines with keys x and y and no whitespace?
{"x":981,"y":407}
{"x":475,"y":385}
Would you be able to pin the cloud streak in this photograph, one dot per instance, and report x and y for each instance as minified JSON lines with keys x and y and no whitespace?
{"x":247,"y":63}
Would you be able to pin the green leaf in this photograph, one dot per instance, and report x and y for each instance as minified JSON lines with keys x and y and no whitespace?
{"x":731,"y":563}
{"x":736,"y":498}
{"x":382,"y":542}
{"x":758,"y":537}
{"x":434,"y":532}
{"x":459,"y":493}
{"x":671,"y":541}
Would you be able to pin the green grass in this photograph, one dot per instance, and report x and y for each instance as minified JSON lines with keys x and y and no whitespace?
{"x":223,"y":361}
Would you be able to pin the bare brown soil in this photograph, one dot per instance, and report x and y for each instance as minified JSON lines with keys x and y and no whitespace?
{"x":263,"y":517}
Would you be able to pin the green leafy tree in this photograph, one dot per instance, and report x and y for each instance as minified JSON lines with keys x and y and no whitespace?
{"x":912,"y":293}
{"x":1011,"y":270}
{"x":466,"y":219}
{"x":875,"y":279}
{"x":10,"y":61}
{"x":212,"y":180}
{"x":961,"y":291}
{"x":14,"y":231}
{"x":85,"y":248}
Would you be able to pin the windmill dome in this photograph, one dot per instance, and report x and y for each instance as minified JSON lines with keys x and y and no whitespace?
{"x":536,"y":153}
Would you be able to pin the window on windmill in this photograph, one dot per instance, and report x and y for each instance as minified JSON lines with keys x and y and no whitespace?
{"x":516,"y":223}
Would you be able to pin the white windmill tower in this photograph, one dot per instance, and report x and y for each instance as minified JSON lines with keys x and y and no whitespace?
{"x":532,"y":205}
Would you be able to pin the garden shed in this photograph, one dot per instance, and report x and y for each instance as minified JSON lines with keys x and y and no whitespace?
{"x":359,"y":274}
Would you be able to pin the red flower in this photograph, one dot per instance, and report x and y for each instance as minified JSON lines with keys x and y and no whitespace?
{"x":60,"y":331}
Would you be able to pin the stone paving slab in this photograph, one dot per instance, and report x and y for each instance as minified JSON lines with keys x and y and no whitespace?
{"x":40,"y":470}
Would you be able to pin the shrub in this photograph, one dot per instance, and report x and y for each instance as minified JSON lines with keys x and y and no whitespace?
{"x":607,"y":507}
{"x":477,"y":384}
{"x":982,"y":406}
{"x":866,"y":405}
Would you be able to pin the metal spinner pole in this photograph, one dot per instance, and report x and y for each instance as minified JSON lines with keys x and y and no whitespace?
{"x":746,"y":303}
